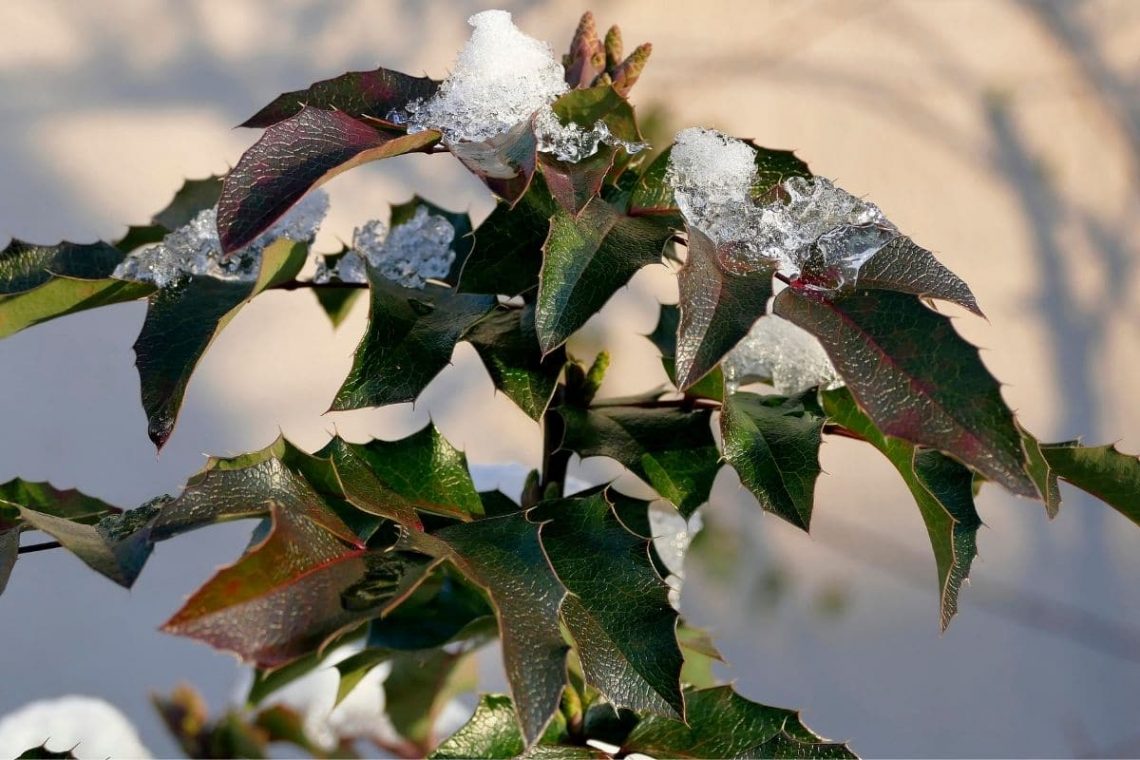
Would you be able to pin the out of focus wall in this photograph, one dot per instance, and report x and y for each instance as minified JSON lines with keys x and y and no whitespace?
{"x":1004,"y":136}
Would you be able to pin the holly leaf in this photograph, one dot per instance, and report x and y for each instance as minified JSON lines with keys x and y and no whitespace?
{"x":915,"y":377}
{"x":503,"y":556}
{"x":1043,"y":475}
{"x":410,"y":337}
{"x":117,"y":546}
{"x":653,"y":195}
{"x":492,"y":733}
{"x":337,"y":303}
{"x":507,"y":343}
{"x":627,"y":643}
{"x":574,"y":184}
{"x":773,"y":444}
{"x":69,"y":504}
{"x":942,"y":488}
{"x":507,"y":254}
{"x":897,"y":265}
{"x":664,"y":336}
{"x":182,"y":321}
{"x":42,"y":282}
{"x":248,"y":486}
{"x":394,"y":478}
{"x":719,"y":304}
{"x":9,"y":552}
{"x":723,"y":724}
{"x":420,"y":686}
{"x":291,"y":593}
{"x":375,"y":94}
{"x":1108,"y":474}
{"x":43,"y":753}
{"x":294,"y":156}
{"x":505,"y":162}
{"x":670,"y":449}
{"x":586,"y":259}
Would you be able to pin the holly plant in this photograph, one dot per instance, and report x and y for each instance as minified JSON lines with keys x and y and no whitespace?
{"x":803,"y":313}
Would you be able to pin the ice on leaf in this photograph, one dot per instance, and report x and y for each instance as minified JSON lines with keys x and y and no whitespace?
{"x":500,"y":78}
{"x":713,"y":176}
{"x":411,"y":253}
{"x":777,"y":350}
{"x":194,"y":249}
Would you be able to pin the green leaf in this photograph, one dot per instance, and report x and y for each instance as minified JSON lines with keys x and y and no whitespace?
{"x":586,"y":259}
{"x":352,"y":670}
{"x":1108,"y":474}
{"x":664,"y":336}
{"x":421,"y":471}
{"x":773,"y":444}
{"x":442,"y":610}
{"x":291,"y":593}
{"x":195,"y":196}
{"x":181,"y":322}
{"x":294,"y":156}
{"x":117,"y":546}
{"x":653,"y":195}
{"x":671,"y":449}
{"x":492,"y":733}
{"x":626,"y":641}
{"x":508,"y":345}
{"x":503,"y":556}
{"x":70,"y":503}
{"x":719,"y":304}
{"x":420,"y":685}
{"x":39,"y":282}
{"x":915,"y":377}
{"x":374,"y":94}
{"x":505,"y":162}
{"x":249,"y":486}
{"x":1043,"y":475}
{"x":723,"y":724}
{"x":43,"y":753}
{"x":507,"y":255}
{"x":904,"y":267}
{"x":574,"y":184}
{"x":410,"y":337}
{"x":9,"y":552}
{"x":700,"y":654}
{"x":942,"y":488}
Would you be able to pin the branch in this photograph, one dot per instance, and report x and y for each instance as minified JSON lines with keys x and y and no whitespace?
{"x":40,"y":547}
{"x":310,"y":285}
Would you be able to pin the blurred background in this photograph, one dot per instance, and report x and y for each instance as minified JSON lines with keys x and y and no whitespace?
{"x":1004,"y":136}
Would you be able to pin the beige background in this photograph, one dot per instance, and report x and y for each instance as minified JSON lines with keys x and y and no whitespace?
{"x":1004,"y":136}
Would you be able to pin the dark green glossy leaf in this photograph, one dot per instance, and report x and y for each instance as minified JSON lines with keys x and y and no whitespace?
{"x":373,"y":93}
{"x":942,"y":488}
{"x":915,"y":377}
{"x":505,"y":162}
{"x":719,"y":304}
{"x":493,"y":733}
{"x":503,"y":556}
{"x":1043,"y":475}
{"x":337,"y":303}
{"x":773,"y":444}
{"x":291,"y":593}
{"x":420,"y":685}
{"x":626,"y":642}
{"x":441,"y":611}
{"x":586,"y":259}
{"x":1110,"y":475}
{"x":181,"y":322}
{"x":194,"y":196}
{"x":508,"y":345}
{"x":653,"y":194}
{"x":507,"y":255}
{"x":69,"y":504}
{"x":43,"y":753}
{"x":420,"y":471}
{"x":671,"y":449}
{"x":39,"y":282}
{"x":723,"y":724}
{"x":772,"y":168}
{"x":410,"y":337}
{"x":248,"y":486}
{"x":574,"y":184}
{"x":294,"y":156}
{"x":664,"y":336}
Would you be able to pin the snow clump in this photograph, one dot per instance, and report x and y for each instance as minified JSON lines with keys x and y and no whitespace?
{"x":786,"y":355}
{"x":410,"y":254}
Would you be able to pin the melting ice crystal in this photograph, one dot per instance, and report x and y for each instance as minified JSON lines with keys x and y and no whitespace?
{"x":713,"y":177}
{"x":500,"y":78}
{"x":194,"y":249}
{"x":779,"y":351}
{"x":409,"y":254}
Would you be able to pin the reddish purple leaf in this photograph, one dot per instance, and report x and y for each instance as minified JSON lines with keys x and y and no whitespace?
{"x":359,"y":93}
{"x":915,"y":377}
{"x":505,"y":162}
{"x":294,"y":156}
{"x":574,"y":184}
